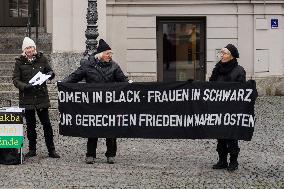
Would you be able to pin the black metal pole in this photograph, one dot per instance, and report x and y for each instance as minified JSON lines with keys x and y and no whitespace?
{"x":28,"y":30}
{"x":91,"y":32}
{"x":37,"y":14}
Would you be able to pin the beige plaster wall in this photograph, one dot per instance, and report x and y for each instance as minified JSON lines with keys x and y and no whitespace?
{"x":66,"y":20}
{"x":130,"y":29}
{"x":49,"y":15}
{"x":227,"y":23}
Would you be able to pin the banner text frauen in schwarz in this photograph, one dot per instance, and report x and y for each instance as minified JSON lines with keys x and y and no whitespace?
{"x":196,"y":110}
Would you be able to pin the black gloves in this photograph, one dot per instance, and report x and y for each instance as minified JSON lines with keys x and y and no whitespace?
{"x":52,"y":75}
{"x":29,"y":86}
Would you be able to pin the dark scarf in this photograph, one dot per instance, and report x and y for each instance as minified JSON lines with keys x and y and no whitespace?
{"x":103,"y":64}
{"x":223,"y":69}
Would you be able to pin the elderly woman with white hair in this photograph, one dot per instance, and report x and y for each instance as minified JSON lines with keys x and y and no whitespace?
{"x":99,"y":68}
{"x":34,"y":98}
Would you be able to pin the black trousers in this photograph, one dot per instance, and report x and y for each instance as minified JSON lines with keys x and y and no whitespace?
{"x":92,"y":146}
{"x":31,"y":128}
{"x":225,"y":146}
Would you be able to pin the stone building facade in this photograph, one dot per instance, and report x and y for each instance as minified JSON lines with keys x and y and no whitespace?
{"x":165,"y":40}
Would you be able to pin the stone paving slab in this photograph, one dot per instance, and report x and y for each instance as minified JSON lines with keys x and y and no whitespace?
{"x":150,"y":163}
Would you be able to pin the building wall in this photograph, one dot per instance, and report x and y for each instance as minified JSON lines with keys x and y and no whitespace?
{"x":132,"y":32}
{"x":130,"y":29}
{"x":68,"y":25}
{"x":49,"y":15}
{"x":269,"y":39}
{"x":66,"y":20}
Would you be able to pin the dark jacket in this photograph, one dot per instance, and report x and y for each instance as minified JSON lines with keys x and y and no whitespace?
{"x":36,"y":97}
{"x":228,"y":72}
{"x":94,"y":71}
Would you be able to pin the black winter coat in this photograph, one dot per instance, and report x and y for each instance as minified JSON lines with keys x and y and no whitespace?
{"x":228,"y":72}
{"x":94,"y":71}
{"x":36,"y":97}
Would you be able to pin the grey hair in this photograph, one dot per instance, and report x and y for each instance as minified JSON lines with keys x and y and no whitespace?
{"x":99,"y":55}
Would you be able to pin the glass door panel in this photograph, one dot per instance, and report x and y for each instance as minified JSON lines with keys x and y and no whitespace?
{"x":183,"y":44}
{"x":17,"y":12}
{"x":18,"y":8}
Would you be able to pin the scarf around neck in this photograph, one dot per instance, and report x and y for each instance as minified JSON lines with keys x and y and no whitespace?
{"x":104,"y":64}
{"x":223,"y":68}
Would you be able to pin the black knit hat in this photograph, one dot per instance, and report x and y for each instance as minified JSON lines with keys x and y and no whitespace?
{"x":103,"y":46}
{"x":233,"y":50}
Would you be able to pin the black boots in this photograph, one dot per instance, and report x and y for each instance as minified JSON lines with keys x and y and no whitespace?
{"x":53,"y":154}
{"x":233,"y":165}
{"x":110,"y":160}
{"x":31,"y":153}
{"x":222,"y":163}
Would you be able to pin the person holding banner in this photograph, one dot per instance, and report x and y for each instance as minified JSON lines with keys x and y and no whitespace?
{"x":99,"y":68}
{"x":34,"y":98}
{"x":228,"y":70}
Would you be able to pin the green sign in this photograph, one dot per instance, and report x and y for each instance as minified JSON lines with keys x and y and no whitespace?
{"x":11,"y":141}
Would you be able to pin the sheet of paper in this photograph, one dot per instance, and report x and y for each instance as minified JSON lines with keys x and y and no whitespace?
{"x":12,"y":109}
{"x":39,"y":78}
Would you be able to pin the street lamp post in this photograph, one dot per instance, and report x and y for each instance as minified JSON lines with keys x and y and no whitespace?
{"x":91,"y":32}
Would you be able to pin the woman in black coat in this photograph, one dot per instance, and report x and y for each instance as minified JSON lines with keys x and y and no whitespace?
{"x":99,"y":69}
{"x":228,"y":70}
{"x":34,"y":98}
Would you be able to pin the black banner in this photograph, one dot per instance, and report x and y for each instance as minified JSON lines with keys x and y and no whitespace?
{"x":196,"y":110}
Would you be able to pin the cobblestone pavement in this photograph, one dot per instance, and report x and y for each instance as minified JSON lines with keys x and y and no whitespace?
{"x":145,"y":163}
